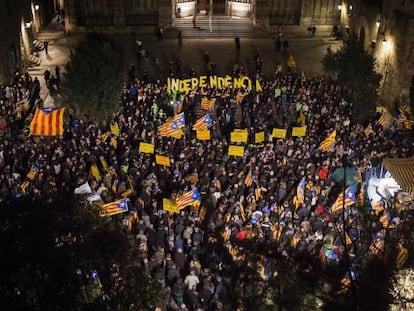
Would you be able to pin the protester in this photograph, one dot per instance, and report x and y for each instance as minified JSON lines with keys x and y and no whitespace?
{"x":254,"y":197}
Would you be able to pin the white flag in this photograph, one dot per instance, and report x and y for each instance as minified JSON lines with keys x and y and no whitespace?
{"x":94,"y":197}
{"x":82,"y":189}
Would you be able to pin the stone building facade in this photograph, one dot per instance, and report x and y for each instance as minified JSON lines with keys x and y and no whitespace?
{"x":385,"y":26}
{"x":126,"y":15}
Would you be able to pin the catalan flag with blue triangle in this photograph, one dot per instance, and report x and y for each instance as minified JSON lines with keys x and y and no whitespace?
{"x":168,"y":128}
{"x":203,"y":123}
{"x":190,"y":198}
{"x":179,"y":118}
{"x":33,"y":172}
{"x":114,"y":208}
{"x":342,"y":202}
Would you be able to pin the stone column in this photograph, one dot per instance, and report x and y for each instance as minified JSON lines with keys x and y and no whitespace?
{"x":164,"y":13}
{"x":119,"y":13}
{"x":70,"y":16}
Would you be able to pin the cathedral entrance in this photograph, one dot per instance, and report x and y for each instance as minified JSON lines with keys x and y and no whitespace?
{"x":219,"y":7}
{"x":231,"y":8}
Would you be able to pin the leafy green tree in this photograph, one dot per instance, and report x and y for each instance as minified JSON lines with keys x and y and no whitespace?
{"x":93,"y":81}
{"x":52,"y":250}
{"x":353,"y":67}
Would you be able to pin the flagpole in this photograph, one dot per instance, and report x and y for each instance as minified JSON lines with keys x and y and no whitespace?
{"x":344,"y":232}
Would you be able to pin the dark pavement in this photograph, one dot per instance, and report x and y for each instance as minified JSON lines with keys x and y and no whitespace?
{"x":307,"y":52}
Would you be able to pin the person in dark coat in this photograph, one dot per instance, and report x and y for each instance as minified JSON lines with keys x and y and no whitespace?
{"x":180,"y":259}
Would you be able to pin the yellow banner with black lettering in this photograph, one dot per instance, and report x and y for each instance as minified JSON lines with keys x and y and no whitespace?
{"x":146,"y":148}
{"x":203,"y":135}
{"x":239,"y":136}
{"x":259,"y":137}
{"x":236,"y":151}
{"x":279,"y":133}
{"x":299,"y":131}
{"x":170,"y":206}
{"x":162,"y":160}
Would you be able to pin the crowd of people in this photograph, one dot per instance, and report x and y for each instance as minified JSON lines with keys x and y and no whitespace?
{"x":249,"y":198}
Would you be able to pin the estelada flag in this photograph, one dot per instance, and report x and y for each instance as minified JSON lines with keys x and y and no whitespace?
{"x":47,"y":122}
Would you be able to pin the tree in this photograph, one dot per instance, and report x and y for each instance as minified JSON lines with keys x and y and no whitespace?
{"x":60,"y":256}
{"x":93,"y":82}
{"x":354,"y":68}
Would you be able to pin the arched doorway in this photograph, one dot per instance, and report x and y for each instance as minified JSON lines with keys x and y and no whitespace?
{"x":233,"y":8}
{"x":219,"y":7}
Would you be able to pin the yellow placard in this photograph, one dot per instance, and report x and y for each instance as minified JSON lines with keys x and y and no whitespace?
{"x":177,"y":134}
{"x":104,"y":164}
{"x":299,"y":131}
{"x":170,"y":206}
{"x":95,"y":172}
{"x":236,"y":151}
{"x":239,"y":136}
{"x":259,"y":137}
{"x":162,"y":160}
{"x":203,"y":135}
{"x":146,"y":148}
{"x":279,"y":133}
{"x":114,"y":128}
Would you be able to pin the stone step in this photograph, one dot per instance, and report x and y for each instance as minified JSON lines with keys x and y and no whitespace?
{"x":217,"y":27}
{"x":33,"y":60}
{"x":50,"y":36}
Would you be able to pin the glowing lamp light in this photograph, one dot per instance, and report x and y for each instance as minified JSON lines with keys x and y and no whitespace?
{"x":28,"y":24}
{"x":37,"y":7}
{"x":386,"y":44}
{"x":378,"y":23}
{"x":339,"y":7}
{"x":350,"y":7}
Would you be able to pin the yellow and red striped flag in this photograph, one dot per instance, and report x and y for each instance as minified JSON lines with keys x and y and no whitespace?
{"x":328,"y":142}
{"x":47,"y":122}
{"x":33,"y":172}
{"x":114,"y":208}
{"x":342,"y":202}
{"x":190,"y":198}
{"x":203,"y":123}
{"x":368,"y":130}
{"x":402,"y":256}
{"x":178,"y":118}
{"x":207,"y":104}
{"x":248,"y":180}
{"x":168,"y":128}
{"x":381,"y":120}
